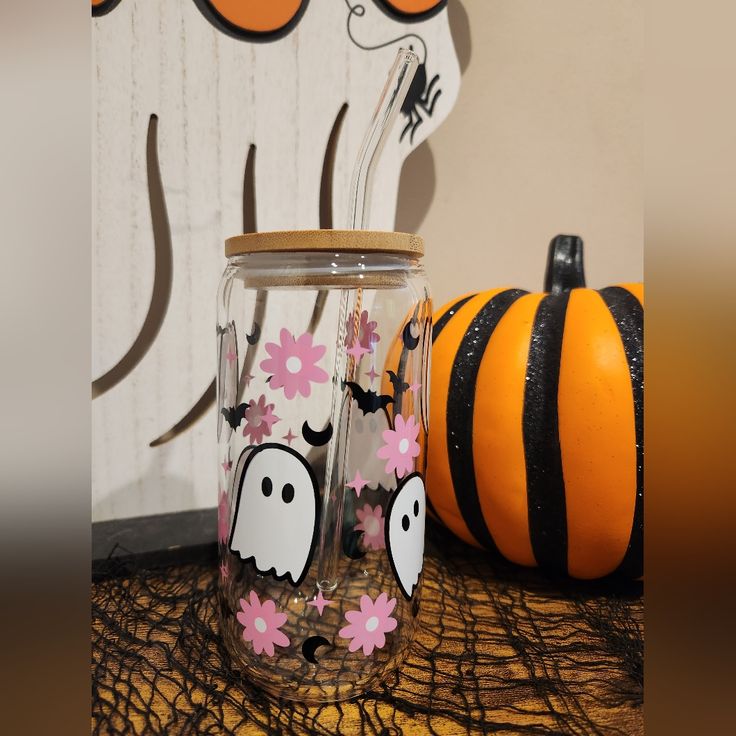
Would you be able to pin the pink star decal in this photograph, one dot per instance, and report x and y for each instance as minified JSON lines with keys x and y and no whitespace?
{"x":372,"y":374}
{"x":247,"y":378}
{"x":319,"y":602}
{"x":415,"y":387}
{"x":230,"y":356}
{"x":224,"y":571}
{"x":357,"y":351}
{"x":227,"y":464}
{"x":357,"y":483}
{"x":289,"y":437}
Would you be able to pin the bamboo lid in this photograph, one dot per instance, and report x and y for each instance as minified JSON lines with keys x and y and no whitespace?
{"x":367,"y":241}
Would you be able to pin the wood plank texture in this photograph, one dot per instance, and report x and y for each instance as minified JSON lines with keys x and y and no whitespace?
{"x":215,"y":96}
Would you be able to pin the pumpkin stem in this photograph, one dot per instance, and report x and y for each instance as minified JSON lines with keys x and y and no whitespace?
{"x":564,"y":264}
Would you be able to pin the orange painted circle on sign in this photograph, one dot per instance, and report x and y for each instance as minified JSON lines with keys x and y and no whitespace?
{"x":413,"y":7}
{"x":103,"y":7}
{"x":256,"y":15}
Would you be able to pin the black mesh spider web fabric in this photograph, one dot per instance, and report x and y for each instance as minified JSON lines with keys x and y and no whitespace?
{"x":499,"y":650}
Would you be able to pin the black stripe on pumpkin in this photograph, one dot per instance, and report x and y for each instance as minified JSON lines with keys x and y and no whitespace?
{"x":628,"y":314}
{"x":460,"y":406}
{"x":542,"y":453}
{"x":439,"y":325}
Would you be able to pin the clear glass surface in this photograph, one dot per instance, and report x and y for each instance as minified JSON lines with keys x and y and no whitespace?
{"x":323,"y":363}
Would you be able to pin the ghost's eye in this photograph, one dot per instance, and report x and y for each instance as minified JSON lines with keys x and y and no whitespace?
{"x":287,"y":493}
{"x":416,"y":508}
{"x":373,"y":426}
{"x":267,"y":487}
{"x":405,"y":523}
{"x":411,"y":10}
{"x":103,"y":7}
{"x":253,"y":19}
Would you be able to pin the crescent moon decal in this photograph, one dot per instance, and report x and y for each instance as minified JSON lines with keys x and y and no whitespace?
{"x":255,"y":335}
{"x":351,"y":546}
{"x":311,"y":645}
{"x":410,"y":342}
{"x":317,"y":439}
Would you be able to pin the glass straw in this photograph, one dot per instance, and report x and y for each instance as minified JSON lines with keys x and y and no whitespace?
{"x":389,"y":104}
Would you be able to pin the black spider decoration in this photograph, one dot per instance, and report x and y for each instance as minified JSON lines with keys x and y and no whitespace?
{"x":421,"y":98}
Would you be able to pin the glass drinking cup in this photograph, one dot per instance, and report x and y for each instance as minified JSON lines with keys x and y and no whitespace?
{"x":324,"y":344}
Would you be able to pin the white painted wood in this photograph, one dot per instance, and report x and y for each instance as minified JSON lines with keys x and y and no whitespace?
{"x":215,"y":96}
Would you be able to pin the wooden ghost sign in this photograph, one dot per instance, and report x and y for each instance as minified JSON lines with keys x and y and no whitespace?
{"x":215,"y":117}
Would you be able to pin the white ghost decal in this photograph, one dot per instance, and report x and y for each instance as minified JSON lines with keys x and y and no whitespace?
{"x":276,"y":513}
{"x":405,"y":532}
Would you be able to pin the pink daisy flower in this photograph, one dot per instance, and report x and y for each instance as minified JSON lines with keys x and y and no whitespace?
{"x":261,"y":624}
{"x":292,"y":364}
{"x":367,"y":334}
{"x":259,"y":418}
{"x":372,"y":525}
{"x":401,"y":446}
{"x":223,"y":518}
{"x":368,"y":627}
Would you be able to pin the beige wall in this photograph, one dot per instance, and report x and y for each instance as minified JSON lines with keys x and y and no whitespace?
{"x":546,"y":137}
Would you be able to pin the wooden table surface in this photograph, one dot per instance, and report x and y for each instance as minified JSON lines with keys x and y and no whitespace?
{"x":498,"y":650}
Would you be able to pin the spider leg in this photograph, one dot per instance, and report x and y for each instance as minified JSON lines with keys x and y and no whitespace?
{"x":414,"y":128}
{"x":429,"y":107}
{"x":430,"y":87}
{"x":408,"y":126}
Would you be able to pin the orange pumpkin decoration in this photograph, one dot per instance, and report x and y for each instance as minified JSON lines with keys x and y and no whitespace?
{"x":536,"y":438}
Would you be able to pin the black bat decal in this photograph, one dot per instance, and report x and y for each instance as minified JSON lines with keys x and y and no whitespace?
{"x":399,"y":385}
{"x":369,"y":402}
{"x":234,"y":415}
